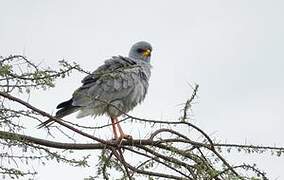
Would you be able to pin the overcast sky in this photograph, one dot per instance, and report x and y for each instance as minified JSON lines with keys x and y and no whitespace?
{"x":232,"y":49}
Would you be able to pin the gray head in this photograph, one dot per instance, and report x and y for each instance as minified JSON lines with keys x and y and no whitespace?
{"x":141,"y":51}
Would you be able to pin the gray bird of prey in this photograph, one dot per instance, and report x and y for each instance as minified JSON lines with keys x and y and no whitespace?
{"x":113,"y":89}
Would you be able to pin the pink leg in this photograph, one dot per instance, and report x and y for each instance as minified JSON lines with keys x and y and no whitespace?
{"x":122,"y":135}
{"x":113,"y":121}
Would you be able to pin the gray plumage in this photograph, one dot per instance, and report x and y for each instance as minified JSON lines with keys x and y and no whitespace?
{"x":114,"y":88}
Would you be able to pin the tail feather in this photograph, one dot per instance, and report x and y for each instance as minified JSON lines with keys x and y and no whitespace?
{"x":66,"y":108}
{"x":65,"y":104}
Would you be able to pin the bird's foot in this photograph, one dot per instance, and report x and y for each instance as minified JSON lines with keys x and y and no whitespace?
{"x":125,"y":136}
{"x":122,"y":137}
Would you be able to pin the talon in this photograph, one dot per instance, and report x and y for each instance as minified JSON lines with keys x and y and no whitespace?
{"x":126,"y":136}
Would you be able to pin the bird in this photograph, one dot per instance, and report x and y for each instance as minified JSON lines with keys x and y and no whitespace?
{"x":113,"y":89}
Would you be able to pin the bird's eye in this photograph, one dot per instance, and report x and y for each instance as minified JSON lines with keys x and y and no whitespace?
{"x":140,"y":50}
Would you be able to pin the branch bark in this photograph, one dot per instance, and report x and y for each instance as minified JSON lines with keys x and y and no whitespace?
{"x":141,"y":144}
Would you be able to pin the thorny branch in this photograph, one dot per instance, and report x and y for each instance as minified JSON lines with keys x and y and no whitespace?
{"x":189,"y":167}
{"x":168,"y":152}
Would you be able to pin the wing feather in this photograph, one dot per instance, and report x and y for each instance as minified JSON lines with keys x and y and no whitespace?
{"x":115,"y":79}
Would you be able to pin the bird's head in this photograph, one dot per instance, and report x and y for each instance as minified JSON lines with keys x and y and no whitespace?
{"x":141,"y":51}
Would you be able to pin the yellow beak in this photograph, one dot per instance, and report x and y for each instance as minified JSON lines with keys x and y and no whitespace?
{"x":147,"y":53}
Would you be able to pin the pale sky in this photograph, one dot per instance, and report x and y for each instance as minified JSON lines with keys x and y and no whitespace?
{"x":232,"y":49}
